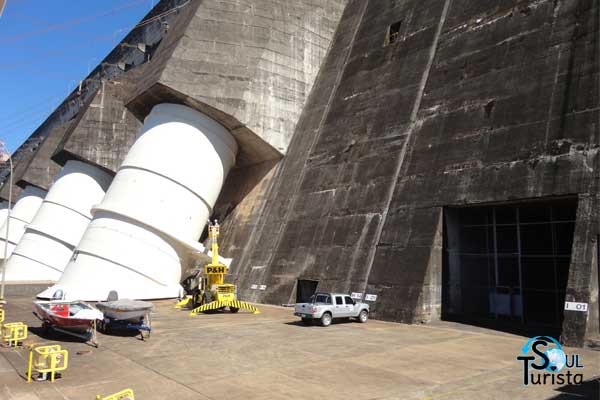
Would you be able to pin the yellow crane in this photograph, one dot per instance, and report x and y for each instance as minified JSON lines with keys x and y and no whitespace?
{"x":210,"y":292}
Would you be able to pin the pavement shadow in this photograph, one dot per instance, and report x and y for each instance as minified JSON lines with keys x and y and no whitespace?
{"x":316,"y":323}
{"x":52,"y":335}
{"x":514,"y":328}
{"x":589,"y":389}
{"x":124,"y":329}
{"x":120,"y":332}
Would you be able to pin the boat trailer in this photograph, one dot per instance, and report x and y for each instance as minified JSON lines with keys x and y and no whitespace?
{"x":144,"y":325}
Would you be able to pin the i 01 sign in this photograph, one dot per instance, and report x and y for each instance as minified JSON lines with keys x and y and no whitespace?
{"x":572,"y":306}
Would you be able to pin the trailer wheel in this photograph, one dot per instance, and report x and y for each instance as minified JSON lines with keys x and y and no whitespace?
{"x":234,"y":309}
{"x":326,"y":319}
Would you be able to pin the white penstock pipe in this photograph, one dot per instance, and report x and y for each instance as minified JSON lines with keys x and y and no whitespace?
{"x":154,"y":212}
{"x":49,"y":240}
{"x":3,"y":212}
{"x":21,"y":215}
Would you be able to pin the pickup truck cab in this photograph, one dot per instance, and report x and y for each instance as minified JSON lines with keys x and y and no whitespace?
{"x":324,"y":307}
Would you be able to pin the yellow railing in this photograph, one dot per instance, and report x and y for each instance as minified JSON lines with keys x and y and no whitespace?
{"x":13,"y":333}
{"x":47,"y":359}
{"x":126,"y":394}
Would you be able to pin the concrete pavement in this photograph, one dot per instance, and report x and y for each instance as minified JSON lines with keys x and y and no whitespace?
{"x":272,"y":356}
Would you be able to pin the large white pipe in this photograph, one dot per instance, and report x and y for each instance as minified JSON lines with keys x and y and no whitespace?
{"x":49,"y":240}
{"x":3,"y":212}
{"x":21,"y":215}
{"x":154,"y":211}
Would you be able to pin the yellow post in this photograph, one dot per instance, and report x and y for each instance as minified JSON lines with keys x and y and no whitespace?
{"x":52,"y":366}
{"x":30,"y":363}
{"x":2,"y":315}
{"x":214,"y":236}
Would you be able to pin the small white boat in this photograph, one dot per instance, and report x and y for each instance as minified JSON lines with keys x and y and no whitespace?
{"x":70,"y":315}
{"x":74,"y":318}
{"x":125,"y":310}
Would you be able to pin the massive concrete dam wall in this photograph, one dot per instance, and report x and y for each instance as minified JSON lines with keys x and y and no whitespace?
{"x":471,"y":103}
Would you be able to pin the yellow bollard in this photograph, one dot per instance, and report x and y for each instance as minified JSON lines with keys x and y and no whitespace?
{"x":2,"y":317}
{"x":126,"y":394}
{"x":44,"y":359}
{"x":14,"y":332}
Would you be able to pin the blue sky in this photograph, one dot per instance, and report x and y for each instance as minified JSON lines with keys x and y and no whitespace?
{"x":47,"y":47}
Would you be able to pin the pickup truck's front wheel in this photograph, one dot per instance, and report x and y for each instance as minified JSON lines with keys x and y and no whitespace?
{"x":363,"y":316}
{"x":326,"y":319}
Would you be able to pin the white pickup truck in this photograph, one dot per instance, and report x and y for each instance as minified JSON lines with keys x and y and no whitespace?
{"x":324,"y":307}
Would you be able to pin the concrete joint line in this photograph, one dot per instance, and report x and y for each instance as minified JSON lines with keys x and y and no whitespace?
{"x":19,"y":219}
{"x":69,"y":208}
{"x":38,"y":262}
{"x":48,"y":236}
{"x":157,"y":372}
{"x":409,"y":138}
{"x":122,"y":266}
{"x":210,"y":209}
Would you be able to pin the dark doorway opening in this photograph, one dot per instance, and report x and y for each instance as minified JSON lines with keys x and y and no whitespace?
{"x":304,"y":289}
{"x":506,"y":266}
{"x":393,"y":33}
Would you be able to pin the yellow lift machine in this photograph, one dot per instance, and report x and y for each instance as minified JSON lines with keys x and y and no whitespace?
{"x":207,"y":289}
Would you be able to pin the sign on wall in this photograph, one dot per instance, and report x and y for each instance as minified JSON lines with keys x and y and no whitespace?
{"x":371,"y":297}
{"x":573,"y":306}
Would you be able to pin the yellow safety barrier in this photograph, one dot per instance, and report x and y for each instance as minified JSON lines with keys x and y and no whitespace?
{"x":44,"y":359}
{"x":215,"y":305}
{"x":126,"y":394}
{"x":184,"y":302}
{"x":14,"y":332}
